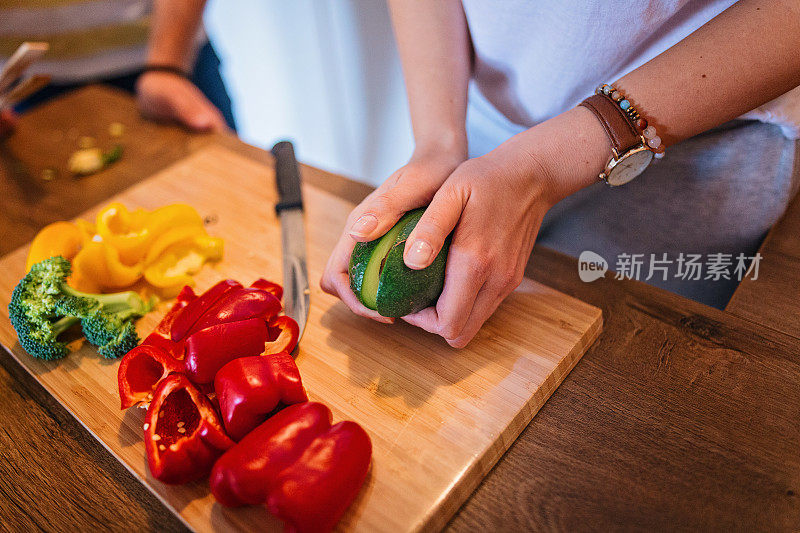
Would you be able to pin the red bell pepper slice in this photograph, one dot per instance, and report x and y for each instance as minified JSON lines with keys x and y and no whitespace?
{"x":237,"y":305}
{"x":249,"y":389}
{"x":198,"y":307}
{"x":306,"y":471}
{"x":161,"y":337}
{"x":269,"y":286}
{"x":183,"y":435}
{"x":209,"y":349}
{"x":283,"y":335}
{"x":140,"y":372}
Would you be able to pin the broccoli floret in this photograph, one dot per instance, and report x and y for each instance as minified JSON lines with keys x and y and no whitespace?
{"x":43,"y":306}
{"x":113,"y":333}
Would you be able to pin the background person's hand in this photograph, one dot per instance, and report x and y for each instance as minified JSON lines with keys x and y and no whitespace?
{"x":8,"y":120}
{"x":412,"y":186}
{"x":166,"y":96}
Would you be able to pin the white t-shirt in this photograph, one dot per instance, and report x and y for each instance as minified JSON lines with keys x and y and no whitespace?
{"x":535,"y":59}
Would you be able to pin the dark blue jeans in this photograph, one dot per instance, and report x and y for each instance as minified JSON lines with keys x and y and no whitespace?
{"x":206,"y":76}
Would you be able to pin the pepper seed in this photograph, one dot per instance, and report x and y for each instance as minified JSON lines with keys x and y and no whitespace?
{"x":181,"y":430}
{"x":161,"y":447}
{"x":156,"y":437}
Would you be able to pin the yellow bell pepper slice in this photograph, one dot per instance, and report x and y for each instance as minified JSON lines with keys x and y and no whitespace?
{"x":166,"y":246}
{"x":98,"y":265}
{"x":175,"y":266}
{"x":133,"y":232}
{"x":173,"y":215}
{"x":89,"y":268}
{"x":125,"y":231}
{"x":170,"y":238}
{"x":88,"y":230}
{"x":58,"y":238}
{"x":119,"y":274}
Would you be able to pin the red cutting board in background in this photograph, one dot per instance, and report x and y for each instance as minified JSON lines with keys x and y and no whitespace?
{"x":439,"y":418}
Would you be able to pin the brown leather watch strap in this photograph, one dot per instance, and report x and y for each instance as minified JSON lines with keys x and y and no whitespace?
{"x":622,"y":134}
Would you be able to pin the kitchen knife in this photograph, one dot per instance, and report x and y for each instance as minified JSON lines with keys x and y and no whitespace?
{"x":24,"y":89}
{"x":13,"y":69}
{"x":289,"y":208}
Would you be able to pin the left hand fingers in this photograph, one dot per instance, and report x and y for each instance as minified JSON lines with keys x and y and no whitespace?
{"x":499,"y":284}
{"x":440,"y":217}
{"x":197,"y":113}
{"x":464,"y":277}
{"x":489,"y":298}
{"x":165,"y":96}
{"x":476,"y":280}
{"x":336,"y":281}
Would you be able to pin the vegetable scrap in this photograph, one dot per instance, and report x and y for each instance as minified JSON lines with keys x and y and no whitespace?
{"x":86,"y":161}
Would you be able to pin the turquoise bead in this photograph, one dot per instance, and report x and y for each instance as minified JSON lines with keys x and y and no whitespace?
{"x":624,"y":104}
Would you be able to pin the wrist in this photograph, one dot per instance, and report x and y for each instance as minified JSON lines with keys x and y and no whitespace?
{"x":164,"y":69}
{"x":450,"y":143}
{"x":566,"y":153}
{"x":173,"y":56}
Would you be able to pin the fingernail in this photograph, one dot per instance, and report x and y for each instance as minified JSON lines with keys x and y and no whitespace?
{"x":363,"y":226}
{"x":419,"y":254}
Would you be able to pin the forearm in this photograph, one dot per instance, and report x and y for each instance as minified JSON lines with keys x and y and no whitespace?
{"x":741,"y":59}
{"x":433,"y":42}
{"x":174,"y":26}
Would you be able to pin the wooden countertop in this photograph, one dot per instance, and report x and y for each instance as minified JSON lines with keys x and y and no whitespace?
{"x":680,"y":416}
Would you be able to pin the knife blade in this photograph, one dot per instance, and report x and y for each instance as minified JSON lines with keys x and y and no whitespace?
{"x":296,"y":292}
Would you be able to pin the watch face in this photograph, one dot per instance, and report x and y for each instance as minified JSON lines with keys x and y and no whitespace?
{"x":630,"y":166}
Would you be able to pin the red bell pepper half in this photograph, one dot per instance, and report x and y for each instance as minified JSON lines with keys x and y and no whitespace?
{"x":269,"y":286}
{"x":161,"y":336}
{"x":209,"y":349}
{"x":140,"y":372}
{"x":283,"y":335}
{"x":191,"y":314}
{"x":183,"y":435}
{"x":306,"y":471}
{"x":249,"y":389}
{"x":237,"y":305}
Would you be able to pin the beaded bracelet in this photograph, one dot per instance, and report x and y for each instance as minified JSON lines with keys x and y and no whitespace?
{"x":647,"y":131}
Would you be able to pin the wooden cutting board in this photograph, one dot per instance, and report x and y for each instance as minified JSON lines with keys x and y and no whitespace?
{"x":439,"y":418}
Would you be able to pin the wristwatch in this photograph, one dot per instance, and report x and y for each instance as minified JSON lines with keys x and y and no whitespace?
{"x":631,"y":154}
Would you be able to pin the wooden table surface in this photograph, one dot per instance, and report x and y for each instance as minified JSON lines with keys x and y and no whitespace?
{"x":680,"y":416}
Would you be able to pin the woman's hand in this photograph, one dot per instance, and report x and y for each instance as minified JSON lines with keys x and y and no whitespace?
{"x":169,"y":97}
{"x":495,"y":205}
{"x":412,"y":186}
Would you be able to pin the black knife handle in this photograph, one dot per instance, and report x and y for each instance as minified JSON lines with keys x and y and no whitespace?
{"x":287,"y":176}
